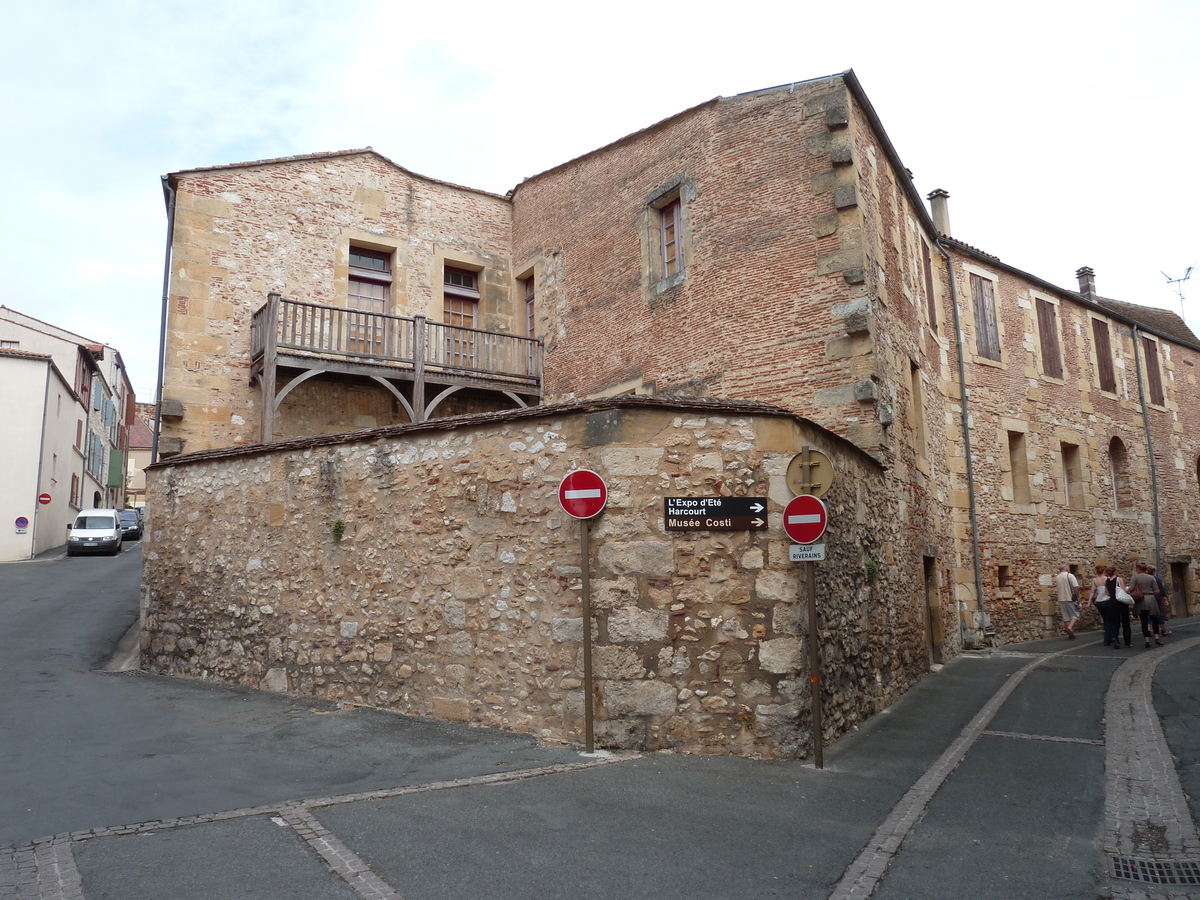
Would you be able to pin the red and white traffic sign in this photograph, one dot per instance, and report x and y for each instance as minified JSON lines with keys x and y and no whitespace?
{"x":43,"y":499}
{"x":583,"y":494}
{"x":805,"y":518}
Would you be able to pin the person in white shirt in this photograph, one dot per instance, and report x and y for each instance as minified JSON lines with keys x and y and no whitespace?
{"x":1068,"y":599}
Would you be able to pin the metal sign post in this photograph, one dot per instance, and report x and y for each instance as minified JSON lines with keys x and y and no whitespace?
{"x":583,"y":495}
{"x":804,"y":520}
{"x":589,"y":712}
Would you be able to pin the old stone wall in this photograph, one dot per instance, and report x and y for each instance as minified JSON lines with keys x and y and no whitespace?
{"x":430,"y":570}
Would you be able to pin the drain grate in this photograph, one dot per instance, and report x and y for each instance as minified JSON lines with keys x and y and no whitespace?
{"x":1153,"y":871}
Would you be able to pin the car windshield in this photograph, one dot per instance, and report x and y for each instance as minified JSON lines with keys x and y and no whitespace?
{"x":128,"y":517}
{"x":90,"y":522}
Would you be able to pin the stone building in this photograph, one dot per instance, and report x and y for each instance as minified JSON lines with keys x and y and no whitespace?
{"x":766,"y":247}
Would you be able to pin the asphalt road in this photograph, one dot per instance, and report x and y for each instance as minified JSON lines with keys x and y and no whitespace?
{"x":1007,"y":775}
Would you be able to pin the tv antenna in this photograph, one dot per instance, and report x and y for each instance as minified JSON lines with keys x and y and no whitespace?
{"x":1178,"y":283}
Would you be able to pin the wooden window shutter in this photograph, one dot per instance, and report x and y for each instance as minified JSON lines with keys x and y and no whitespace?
{"x":1104,"y":359}
{"x":1048,"y":330}
{"x":987,"y":331}
{"x":1153,"y":372}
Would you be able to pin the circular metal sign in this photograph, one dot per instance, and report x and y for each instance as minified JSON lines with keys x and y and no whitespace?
{"x":583,"y":494}
{"x":812,"y":476}
{"x":22,"y":522}
{"x":43,"y":499}
{"x":805,"y":518}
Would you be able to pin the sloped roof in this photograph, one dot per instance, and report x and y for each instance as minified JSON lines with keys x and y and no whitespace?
{"x":1161,"y":321}
{"x":23,"y":354}
{"x":141,"y":437}
{"x":173,"y":177}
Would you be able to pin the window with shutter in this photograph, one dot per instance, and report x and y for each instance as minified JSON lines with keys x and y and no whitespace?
{"x":987,"y":330}
{"x":1047,"y":315}
{"x":1153,"y":372}
{"x":1104,"y":357}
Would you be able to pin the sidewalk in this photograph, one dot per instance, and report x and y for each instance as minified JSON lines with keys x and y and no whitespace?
{"x":1029,"y":771}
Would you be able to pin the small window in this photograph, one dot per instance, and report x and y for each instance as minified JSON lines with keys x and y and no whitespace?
{"x":1072,"y":476}
{"x":10,"y":345}
{"x":1004,"y":576}
{"x":1104,"y":357}
{"x":987,"y":329}
{"x":530,"y":321}
{"x":1019,"y":464}
{"x":1153,"y":372}
{"x":669,"y":222}
{"x":1118,"y":461}
{"x":918,"y":408}
{"x":1047,"y":315}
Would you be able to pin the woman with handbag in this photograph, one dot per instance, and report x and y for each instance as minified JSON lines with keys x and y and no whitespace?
{"x":1106,"y":604}
{"x":1144,"y":590}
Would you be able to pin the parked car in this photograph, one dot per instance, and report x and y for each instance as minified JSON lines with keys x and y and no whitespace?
{"x":131,"y":525}
{"x":95,"y":531}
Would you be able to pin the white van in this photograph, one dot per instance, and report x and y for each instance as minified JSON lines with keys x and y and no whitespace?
{"x":95,"y":531}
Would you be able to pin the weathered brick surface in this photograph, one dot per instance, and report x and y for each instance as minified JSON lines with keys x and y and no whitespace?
{"x":455,"y":591}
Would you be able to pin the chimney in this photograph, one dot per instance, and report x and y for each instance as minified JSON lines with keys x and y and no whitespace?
{"x":940,"y":210}
{"x":1087,"y":282}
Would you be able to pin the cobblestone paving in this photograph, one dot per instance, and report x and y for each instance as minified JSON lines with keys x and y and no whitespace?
{"x":1148,"y":828}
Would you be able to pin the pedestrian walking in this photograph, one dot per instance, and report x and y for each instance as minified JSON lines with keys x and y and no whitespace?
{"x":1144,"y":589}
{"x":1106,"y":603}
{"x":1164,"y":599}
{"x":1119,"y":590}
{"x":1068,"y":599}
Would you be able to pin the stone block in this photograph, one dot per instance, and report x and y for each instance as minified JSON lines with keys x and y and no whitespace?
{"x":638,"y":698}
{"x":632,"y":624}
{"x":653,"y":558}
{"x":781,"y":655}
{"x":467,"y":583}
{"x":628,"y":462}
{"x":451,"y":709}
{"x":275,"y":680}
{"x":845,"y":196}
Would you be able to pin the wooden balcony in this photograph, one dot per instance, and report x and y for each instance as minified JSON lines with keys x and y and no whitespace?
{"x":419,"y":361}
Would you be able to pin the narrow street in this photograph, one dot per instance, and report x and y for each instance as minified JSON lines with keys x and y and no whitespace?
{"x":1052,"y":769}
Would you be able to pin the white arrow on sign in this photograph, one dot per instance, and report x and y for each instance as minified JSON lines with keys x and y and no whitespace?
{"x":757,"y":507}
{"x":757,"y":523}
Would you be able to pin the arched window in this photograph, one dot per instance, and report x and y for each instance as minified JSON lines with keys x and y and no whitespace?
{"x":1118,"y":461}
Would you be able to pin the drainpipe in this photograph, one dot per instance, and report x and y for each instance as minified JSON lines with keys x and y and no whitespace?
{"x":1137,"y":356}
{"x":169,"y":193}
{"x":966,"y":429}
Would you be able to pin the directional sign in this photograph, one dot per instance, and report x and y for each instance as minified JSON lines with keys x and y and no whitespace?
{"x":715,"y":513}
{"x":43,"y":499}
{"x":582,"y":494}
{"x":805,"y":518}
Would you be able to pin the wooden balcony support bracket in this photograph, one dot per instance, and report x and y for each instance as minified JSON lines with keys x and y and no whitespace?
{"x":395,"y":391}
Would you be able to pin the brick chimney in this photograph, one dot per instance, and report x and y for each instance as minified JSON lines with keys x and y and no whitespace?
{"x":940,"y":210}
{"x":1087,"y":282}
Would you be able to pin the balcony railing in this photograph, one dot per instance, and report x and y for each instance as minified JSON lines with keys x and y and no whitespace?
{"x":402,"y":342}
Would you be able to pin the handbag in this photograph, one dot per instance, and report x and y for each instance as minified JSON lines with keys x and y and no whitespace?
{"x":1124,"y":596}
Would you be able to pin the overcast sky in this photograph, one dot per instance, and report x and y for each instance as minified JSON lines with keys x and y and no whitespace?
{"x":1065,"y":132}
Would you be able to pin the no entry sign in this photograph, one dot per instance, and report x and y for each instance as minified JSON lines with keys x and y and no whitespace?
{"x":805,"y":518}
{"x":43,"y":499}
{"x":582,"y":494}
